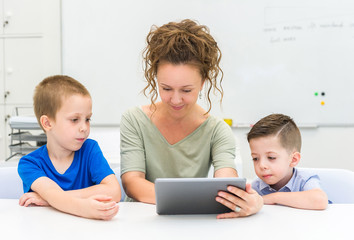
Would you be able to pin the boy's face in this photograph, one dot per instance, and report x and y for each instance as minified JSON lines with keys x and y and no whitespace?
{"x":272,"y":162}
{"x":71,"y":126}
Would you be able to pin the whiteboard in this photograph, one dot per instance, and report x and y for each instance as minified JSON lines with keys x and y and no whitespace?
{"x":277,"y":55}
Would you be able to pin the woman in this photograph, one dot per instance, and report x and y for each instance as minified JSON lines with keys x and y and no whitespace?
{"x":176,"y":137}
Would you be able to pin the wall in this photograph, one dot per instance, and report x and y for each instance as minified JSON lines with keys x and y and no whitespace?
{"x":30,"y":50}
{"x":277,"y":55}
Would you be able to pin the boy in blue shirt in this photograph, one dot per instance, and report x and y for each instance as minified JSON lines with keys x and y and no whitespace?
{"x":70,"y":172}
{"x":275,"y":143}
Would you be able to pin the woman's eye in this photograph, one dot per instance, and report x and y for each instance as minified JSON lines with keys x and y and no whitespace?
{"x":254,"y":159}
{"x":187,"y":91}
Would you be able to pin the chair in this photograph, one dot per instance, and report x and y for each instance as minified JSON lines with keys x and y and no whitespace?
{"x":337,"y":183}
{"x":116,"y":171}
{"x":10,"y":183}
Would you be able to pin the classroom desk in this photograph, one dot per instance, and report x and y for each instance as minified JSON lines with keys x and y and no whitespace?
{"x":140,"y":221}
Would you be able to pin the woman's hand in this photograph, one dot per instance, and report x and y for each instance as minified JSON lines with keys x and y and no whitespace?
{"x":242,"y":203}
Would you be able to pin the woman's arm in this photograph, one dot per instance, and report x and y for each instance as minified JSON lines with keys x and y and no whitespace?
{"x":138,"y":188}
{"x":315,"y":199}
{"x":225,"y":172}
{"x":133,"y":163}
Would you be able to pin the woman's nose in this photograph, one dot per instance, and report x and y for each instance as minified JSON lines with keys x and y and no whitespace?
{"x":176,"y":98}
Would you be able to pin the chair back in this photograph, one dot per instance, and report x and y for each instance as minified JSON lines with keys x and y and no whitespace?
{"x":10,"y":183}
{"x":337,"y":183}
{"x":116,"y":171}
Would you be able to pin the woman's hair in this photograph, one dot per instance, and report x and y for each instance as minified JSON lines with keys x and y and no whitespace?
{"x":184,"y":42}
{"x":49,"y":94}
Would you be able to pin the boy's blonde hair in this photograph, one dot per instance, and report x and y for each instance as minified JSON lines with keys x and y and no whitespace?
{"x":49,"y":94}
{"x":278,"y":125}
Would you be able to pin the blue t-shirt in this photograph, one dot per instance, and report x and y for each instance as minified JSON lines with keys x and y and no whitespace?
{"x":300,"y":181}
{"x":89,"y":167}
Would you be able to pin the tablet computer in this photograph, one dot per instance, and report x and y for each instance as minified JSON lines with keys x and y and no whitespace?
{"x":192,"y":195}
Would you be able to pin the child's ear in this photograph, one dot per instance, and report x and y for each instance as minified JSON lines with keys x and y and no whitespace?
{"x":45,"y":122}
{"x":295,"y":159}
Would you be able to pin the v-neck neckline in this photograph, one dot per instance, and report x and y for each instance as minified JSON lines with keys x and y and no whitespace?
{"x":163,"y":137}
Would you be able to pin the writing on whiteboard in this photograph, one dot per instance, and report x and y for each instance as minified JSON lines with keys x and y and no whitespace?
{"x":284,"y":25}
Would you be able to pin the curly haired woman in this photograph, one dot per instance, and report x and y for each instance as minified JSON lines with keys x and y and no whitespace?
{"x":176,"y":137}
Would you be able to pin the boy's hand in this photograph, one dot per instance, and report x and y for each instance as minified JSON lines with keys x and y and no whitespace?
{"x":32,"y":198}
{"x":100,"y":207}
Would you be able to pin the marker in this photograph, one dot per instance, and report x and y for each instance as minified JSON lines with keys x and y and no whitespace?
{"x":228,"y":121}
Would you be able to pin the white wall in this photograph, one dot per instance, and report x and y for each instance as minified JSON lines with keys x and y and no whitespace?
{"x":108,"y":139}
{"x":270,"y":49}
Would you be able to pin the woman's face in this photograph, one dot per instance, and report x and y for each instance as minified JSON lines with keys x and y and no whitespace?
{"x":179,"y":87}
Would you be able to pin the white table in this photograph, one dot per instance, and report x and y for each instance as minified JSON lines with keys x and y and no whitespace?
{"x":140,"y":221}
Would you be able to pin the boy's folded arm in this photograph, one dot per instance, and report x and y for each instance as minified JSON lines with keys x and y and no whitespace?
{"x":315,"y":199}
{"x":108,"y":186}
{"x":97,"y":206}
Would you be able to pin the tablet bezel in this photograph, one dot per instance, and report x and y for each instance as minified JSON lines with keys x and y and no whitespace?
{"x":192,"y":195}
